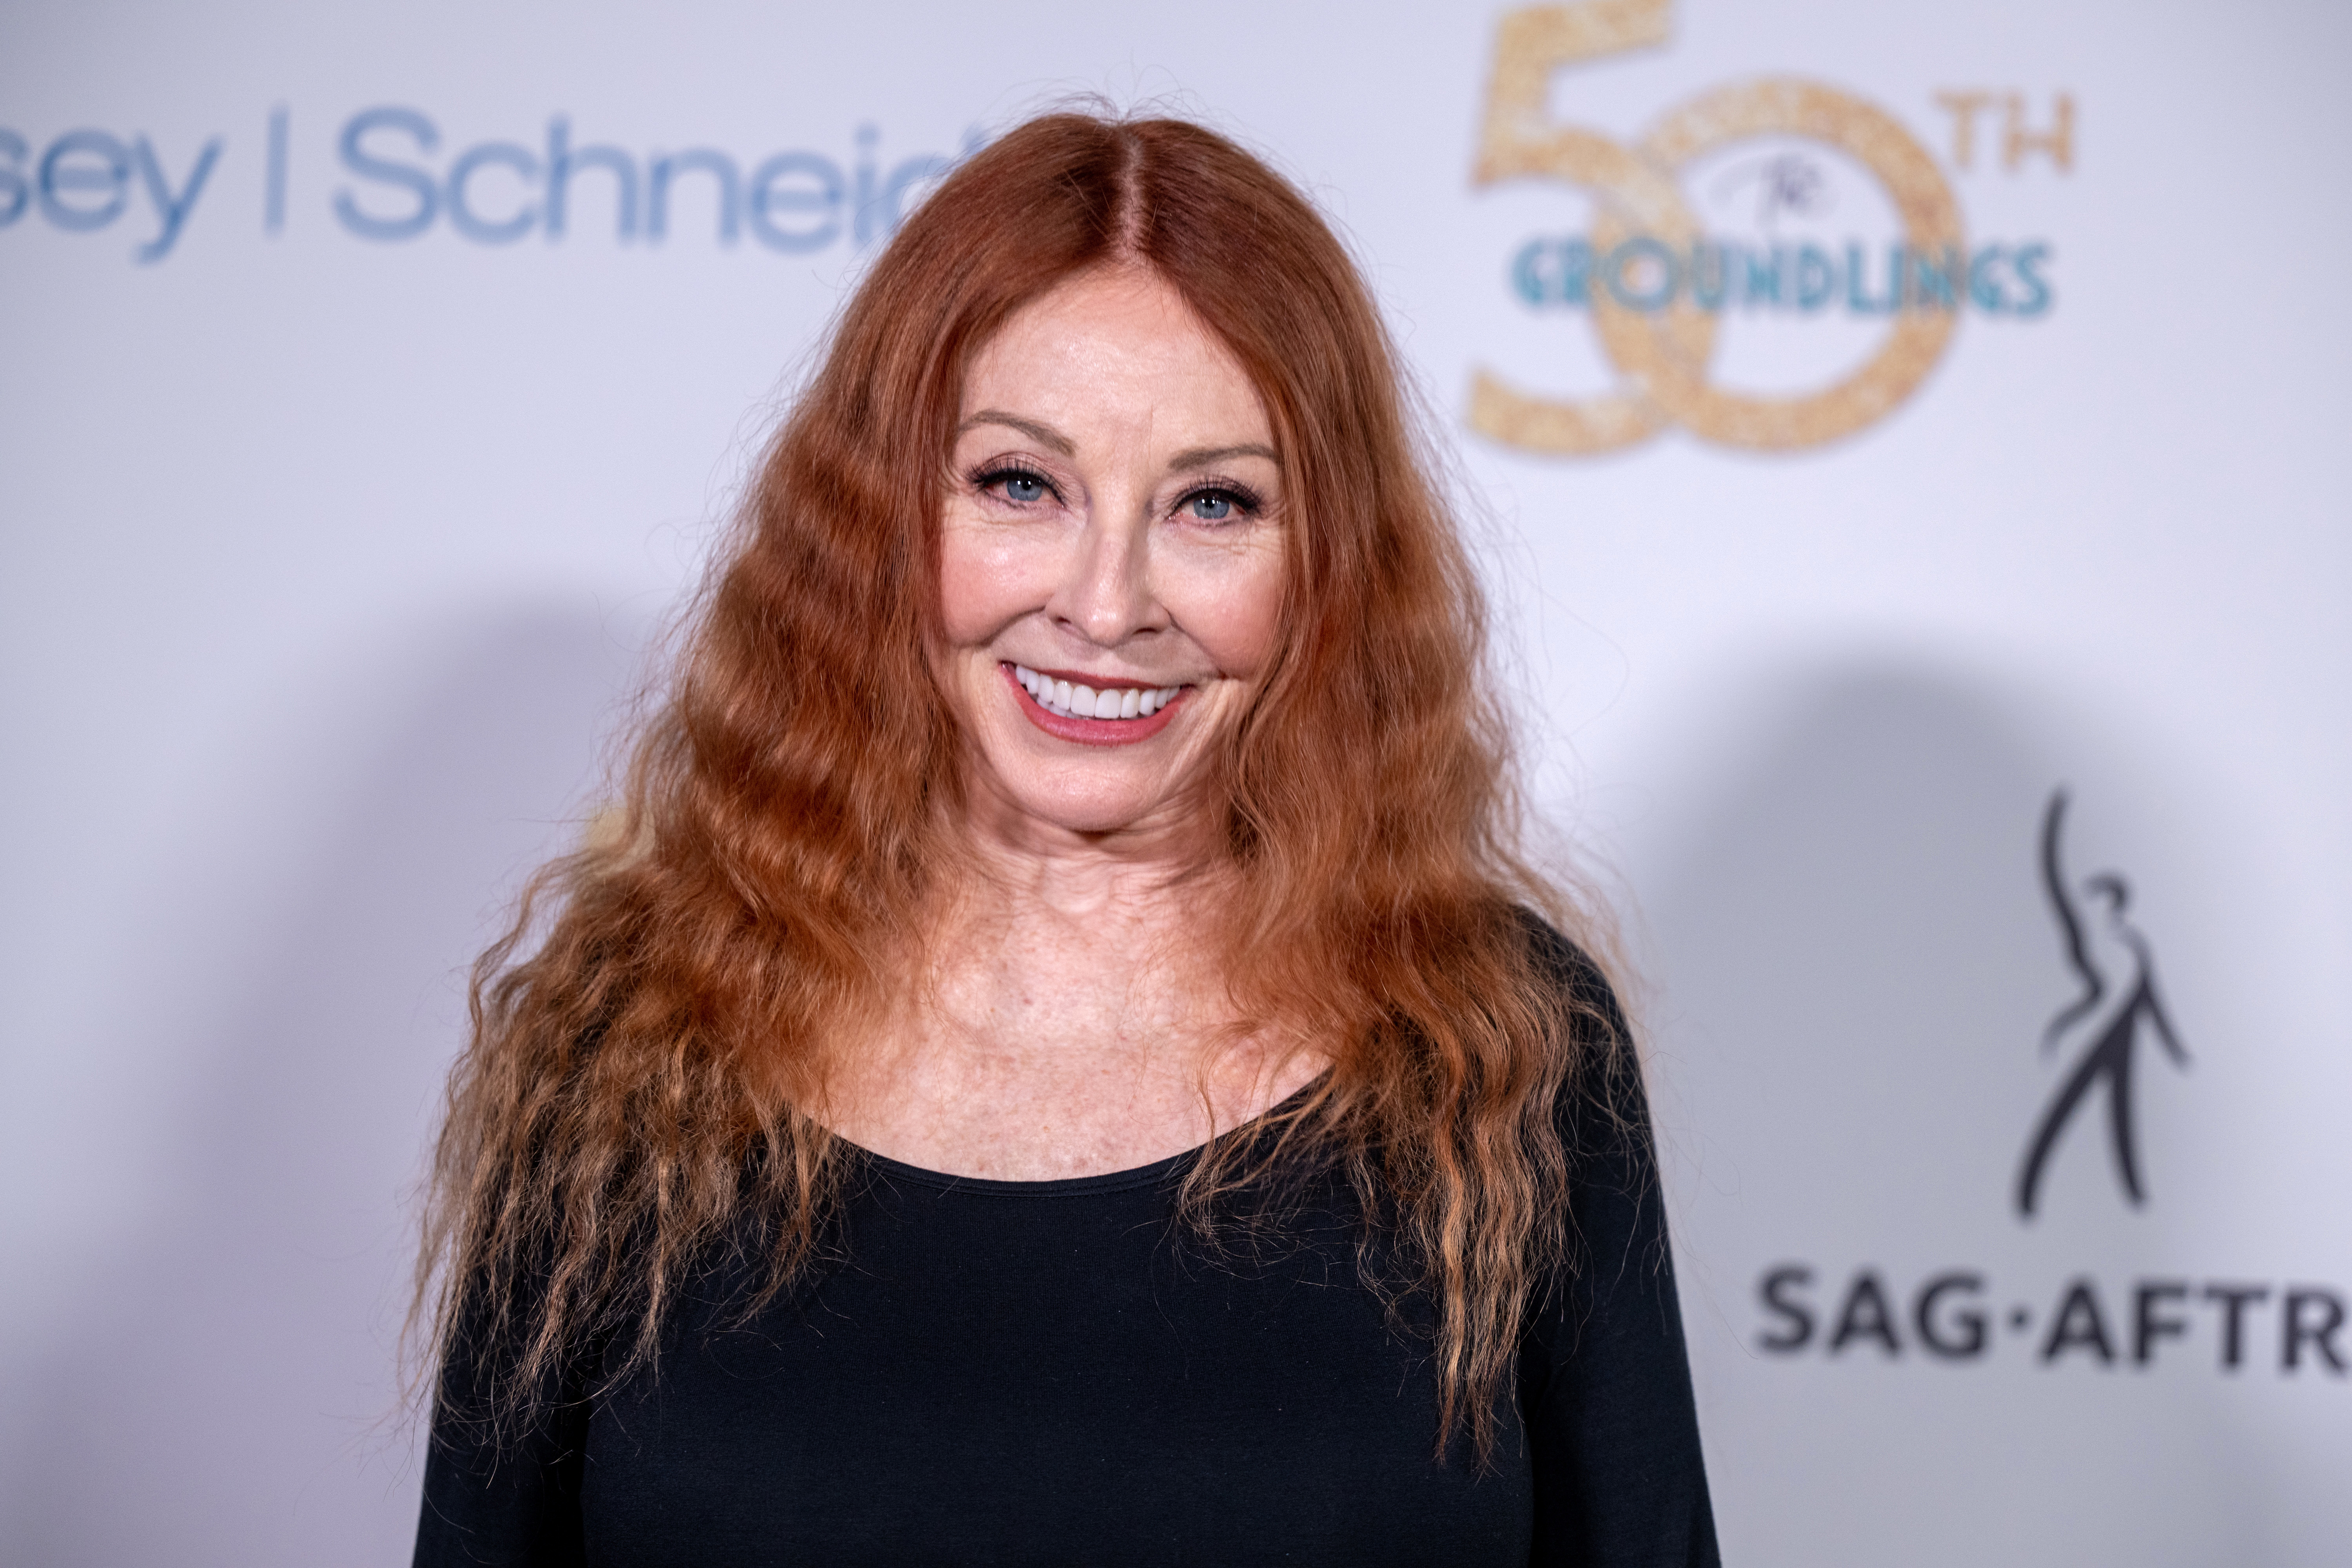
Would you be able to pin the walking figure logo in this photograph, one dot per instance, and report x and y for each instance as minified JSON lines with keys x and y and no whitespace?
{"x":2101,"y":1027}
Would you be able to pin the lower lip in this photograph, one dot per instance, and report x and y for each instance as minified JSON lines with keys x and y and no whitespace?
{"x":1093,"y":731}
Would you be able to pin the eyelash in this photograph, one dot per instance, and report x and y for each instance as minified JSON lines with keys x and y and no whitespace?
{"x":1245,"y":501}
{"x":990,"y":475}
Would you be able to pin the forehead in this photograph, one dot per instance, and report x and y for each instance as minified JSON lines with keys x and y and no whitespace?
{"x":1108,"y":350}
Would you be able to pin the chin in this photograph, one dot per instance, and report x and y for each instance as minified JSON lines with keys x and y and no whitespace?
{"x":1081,"y":804}
{"x":1086,"y":815}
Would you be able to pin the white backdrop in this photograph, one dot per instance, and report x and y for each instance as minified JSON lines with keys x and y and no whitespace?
{"x":331,"y":556}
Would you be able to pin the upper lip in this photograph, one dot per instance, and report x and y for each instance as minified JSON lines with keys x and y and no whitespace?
{"x":1097,"y":679}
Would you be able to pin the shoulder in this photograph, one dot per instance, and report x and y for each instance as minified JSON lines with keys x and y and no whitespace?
{"x":1573,"y":970}
{"x":1602,"y":1111}
{"x":1594,"y":1019}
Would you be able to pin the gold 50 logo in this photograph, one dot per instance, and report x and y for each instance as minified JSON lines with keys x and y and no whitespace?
{"x":1657,"y":286}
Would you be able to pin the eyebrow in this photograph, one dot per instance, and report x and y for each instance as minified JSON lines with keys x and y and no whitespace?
{"x":1043,"y":435}
{"x":1046,"y":436}
{"x":1202,"y":456}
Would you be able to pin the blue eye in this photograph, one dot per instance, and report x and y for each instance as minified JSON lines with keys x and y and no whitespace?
{"x":1212,"y":506}
{"x":1024,"y":487}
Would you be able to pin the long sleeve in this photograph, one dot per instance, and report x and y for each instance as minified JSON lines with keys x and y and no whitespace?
{"x":1605,"y":1381}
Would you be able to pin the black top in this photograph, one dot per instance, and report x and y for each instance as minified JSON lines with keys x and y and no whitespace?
{"x":1053,"y":1372}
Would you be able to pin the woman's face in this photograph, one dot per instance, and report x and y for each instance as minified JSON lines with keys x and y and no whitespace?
{"x":1112,"y":555}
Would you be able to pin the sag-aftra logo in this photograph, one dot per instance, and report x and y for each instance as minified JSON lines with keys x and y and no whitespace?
{"x":2094,"y":1047}
{"x":1727,"y":207}
{"x":399,"y":175}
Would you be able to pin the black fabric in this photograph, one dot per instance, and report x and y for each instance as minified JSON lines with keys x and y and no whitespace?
{"x":1052,"y":1372}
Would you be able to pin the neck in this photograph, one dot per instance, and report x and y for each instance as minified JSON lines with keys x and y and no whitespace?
{"x":1095,"y":948}
{"x":1103,"y":916}
{"x":1066,"y":1015}
{"x":1137,"y":875}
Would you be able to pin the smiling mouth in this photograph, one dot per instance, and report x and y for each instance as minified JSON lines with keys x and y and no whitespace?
{"x":1077,"y":699}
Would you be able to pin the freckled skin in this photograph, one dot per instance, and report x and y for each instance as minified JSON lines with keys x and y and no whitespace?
{"x":1116,"y":510}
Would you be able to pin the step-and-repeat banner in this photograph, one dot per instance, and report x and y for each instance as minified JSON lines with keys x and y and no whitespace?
{"x":1907,"y":449}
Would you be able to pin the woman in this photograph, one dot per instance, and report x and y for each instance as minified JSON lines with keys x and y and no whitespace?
{"x":1057,"y":1063}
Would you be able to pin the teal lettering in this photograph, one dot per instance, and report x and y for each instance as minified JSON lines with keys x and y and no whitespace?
{"x":562,"y":160}
{"x":422,"y":187}
{"x":1935,"y":284}
{"x":2026,"y":263}
{"x":84,"y":161}
{"x":1643,"y":248}
{"x":721,"y":170}
{"x":1859,"y":301}
{"x":273,"y":205}
{"x":13,"y":192}
{"x":172,"y":210}
{"x":472,"y":224}
{"x":803,"y":185}
{"x":1710,"y":274}
{"x":1761,"y":275}
{"x":1575,"y":272}
{"x":1983,"y":287}
{"x":1816,"y":278}
{"x":1525,"y":281}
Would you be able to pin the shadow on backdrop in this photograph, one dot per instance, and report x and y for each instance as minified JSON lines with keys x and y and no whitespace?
{"x":226,"y":1392}
{"x":1861,"y":960}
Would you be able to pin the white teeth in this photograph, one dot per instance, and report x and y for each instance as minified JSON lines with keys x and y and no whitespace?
{"x":1082,"y":701}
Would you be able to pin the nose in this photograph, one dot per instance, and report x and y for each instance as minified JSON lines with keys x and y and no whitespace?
{"x":1106,"y":595}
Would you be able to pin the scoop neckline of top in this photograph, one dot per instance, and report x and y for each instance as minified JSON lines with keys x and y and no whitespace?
{"x":1074,"y":1186}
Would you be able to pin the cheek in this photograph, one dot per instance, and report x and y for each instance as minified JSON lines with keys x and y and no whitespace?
{"x":983,"y":585}
{"x":1237,"y":611}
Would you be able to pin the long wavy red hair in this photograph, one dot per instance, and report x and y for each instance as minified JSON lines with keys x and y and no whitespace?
{"x":637,"y":1088}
